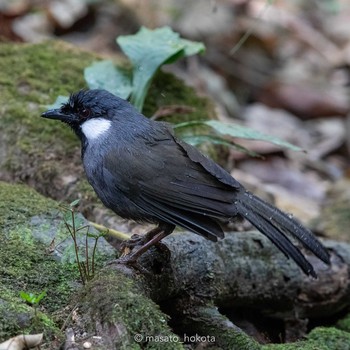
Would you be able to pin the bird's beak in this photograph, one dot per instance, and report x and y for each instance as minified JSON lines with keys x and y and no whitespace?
{"x":57,"y":114}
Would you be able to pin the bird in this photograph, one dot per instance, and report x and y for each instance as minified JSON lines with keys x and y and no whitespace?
{"x":143,"y":172}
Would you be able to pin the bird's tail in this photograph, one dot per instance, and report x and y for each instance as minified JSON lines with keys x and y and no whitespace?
{"x":275,"y":224}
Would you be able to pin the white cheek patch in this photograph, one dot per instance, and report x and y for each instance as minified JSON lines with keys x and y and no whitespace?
{"x":95,"y":127}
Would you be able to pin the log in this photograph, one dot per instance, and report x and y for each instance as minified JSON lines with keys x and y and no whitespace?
{"x":246,"y":270}
{"x":192,"y":280}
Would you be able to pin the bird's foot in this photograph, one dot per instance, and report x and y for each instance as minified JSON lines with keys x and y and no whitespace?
{"x":133,"y":248}
{"x":138,"y":241}
{"x":130,"y":252}
{"x":134,"y":241}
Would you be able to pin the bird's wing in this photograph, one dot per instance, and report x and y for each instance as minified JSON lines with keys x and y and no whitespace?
{"x":173,"y":182}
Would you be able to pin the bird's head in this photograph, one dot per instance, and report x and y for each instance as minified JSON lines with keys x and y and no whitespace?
{"x":88,"y":112}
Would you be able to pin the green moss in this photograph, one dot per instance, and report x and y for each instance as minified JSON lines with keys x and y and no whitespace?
{"x":320,"y":338}
{"x":25,"y":264}
{"x":22,"y":318}
{"x":167,"y":90}
{"x":39,"y":73}
{"x":18,"y":203}
{"x":31,"y":77}
{"x":118,"y":300}
{"x":344,"y":323}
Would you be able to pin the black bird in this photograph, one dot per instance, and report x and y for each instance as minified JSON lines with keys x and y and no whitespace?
{"x":141,"y":171}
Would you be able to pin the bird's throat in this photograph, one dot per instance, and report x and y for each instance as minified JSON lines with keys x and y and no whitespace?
{"x":95,"y":128}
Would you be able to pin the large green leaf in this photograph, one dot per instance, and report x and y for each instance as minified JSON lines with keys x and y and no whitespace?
{"x":148,"y":50}
{"x":239,"y":131}
{"x":104,"y":75}
{"x":196,"y":140}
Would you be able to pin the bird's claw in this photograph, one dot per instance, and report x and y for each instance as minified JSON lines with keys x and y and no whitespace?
{"x":134,"y":241}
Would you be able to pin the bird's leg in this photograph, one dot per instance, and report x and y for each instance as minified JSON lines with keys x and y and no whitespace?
{"x":152,"y":233}
{"x":152,"y":237}
{"x":139,"y":240}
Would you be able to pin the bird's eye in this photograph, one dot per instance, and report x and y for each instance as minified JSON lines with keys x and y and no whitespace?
{"x":85,"y":113}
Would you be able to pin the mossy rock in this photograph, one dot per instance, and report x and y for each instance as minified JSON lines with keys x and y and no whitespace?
{"x":115,"y":301}
{"x":36,"y":152}
{"x":26,"y":265}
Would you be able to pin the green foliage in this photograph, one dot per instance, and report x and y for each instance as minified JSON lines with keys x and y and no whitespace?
{"x":147,"y":50}
{"x":221,"y":129}
{"x":84,"y":259}
{"x":32,"y":298}
{"x":104,"y":75}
